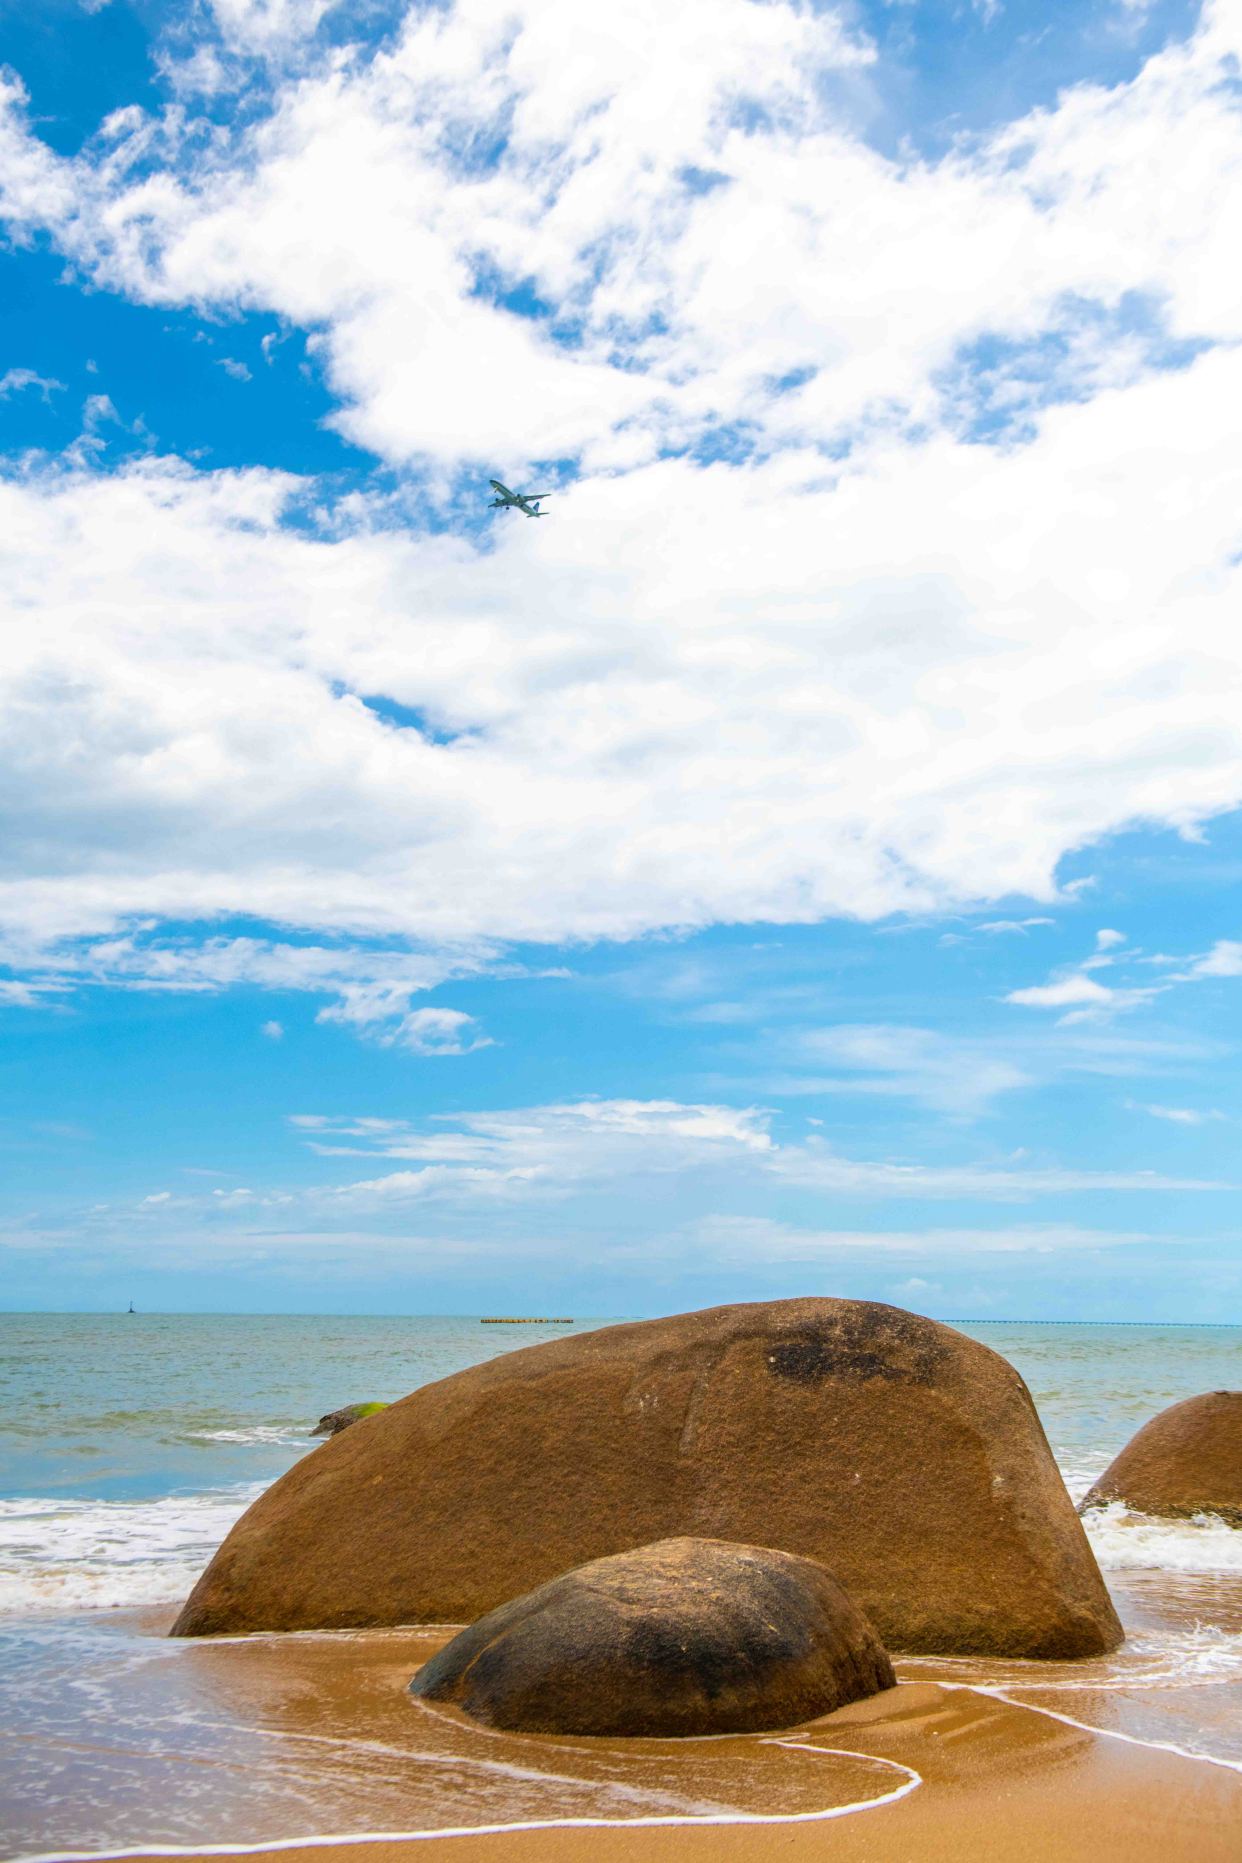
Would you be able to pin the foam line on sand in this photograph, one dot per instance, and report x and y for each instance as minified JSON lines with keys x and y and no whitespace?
{"x":1105,"y":1733}
{"x":910,"y":1782}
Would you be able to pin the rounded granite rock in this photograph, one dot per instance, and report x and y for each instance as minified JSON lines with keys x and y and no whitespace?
{"x":904,"y":1455}
{"x":1187,"y":1460}
{"x":687,"y":1637}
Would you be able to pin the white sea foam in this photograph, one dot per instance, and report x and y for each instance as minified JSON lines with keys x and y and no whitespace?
{"x":1124,"y":1541}
{"x":277,"y":1435}
{"x":67,"y":1555}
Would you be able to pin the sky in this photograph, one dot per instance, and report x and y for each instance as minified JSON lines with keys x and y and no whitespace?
{"x":807,"y":861}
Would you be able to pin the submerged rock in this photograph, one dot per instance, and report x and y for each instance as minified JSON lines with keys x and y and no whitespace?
{"x":685,"y":1637}
{"x":905,"y":1456}
{"x":1187,"y":1460}
{"x":338,"y":1420}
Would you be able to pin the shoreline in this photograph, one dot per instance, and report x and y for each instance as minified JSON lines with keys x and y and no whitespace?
{"x":254,"y":1736}
{"x":1074,"y":1797}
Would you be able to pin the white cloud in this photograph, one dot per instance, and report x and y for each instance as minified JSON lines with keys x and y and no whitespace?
{"x":1090,"y":1000}
{"x":185,"y":699}
{"x":595,"y":1136}
{"x":258,"y":25}
{"x":13,"y":381}
{"x":685,"y":1187}
{"x":999,"y":927}
{"x":1223,"y":960}
{"x":1085,"y":999}
{"x":379,"y":1014}
{"x":553,"y":1150}
{"x":687,"y":194}
{"x":759,"y":1238}
{"x":275,"y":1031}
{"x":817,"y":1166}
{"x":374,"y":988}
{"x":16,"y":993}
{"x":1065,"y":991}
{"x":1181,"y":1115}
{"x":701,"y":692}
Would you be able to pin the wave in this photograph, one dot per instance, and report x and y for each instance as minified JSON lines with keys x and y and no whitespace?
{"x":73,"y":1555}
{"x":271,"y":1435}
{"x":1124,"y":1541}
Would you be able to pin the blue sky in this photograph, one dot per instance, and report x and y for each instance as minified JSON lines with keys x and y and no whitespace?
{"x":809,"y":860}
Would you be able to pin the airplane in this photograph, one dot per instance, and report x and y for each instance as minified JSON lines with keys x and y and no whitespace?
{"x":527,"y":502}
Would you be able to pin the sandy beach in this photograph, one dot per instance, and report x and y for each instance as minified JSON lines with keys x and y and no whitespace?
{"x":995,"y":1781}
{"x":963,"y":1776}
{"x":263,"y":1736}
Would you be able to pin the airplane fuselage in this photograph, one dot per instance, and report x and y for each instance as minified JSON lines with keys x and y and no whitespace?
{"x":525,"y":502}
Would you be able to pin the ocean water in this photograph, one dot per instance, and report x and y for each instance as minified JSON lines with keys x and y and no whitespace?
{"x":129,"y":1445}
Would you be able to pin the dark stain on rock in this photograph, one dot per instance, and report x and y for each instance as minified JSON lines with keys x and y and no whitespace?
{"x":874,"y":1342}
{"x":805,"y":1360}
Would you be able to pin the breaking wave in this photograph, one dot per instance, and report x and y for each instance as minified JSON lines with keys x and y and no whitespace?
{"x":1124,"y":1541}
{"x":70,"y":1555}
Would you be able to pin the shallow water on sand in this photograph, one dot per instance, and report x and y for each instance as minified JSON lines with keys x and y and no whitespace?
{"x":115,"y":1736}
{"x":266,"y":1738}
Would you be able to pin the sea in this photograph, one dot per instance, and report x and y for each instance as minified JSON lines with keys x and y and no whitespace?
{"x":130,"y":1443}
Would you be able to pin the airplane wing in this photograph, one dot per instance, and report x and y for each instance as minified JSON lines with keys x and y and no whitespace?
{"x":536,"y":494}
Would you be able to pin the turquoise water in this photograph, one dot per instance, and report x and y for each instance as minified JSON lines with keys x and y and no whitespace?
{"x":119,"y":1407}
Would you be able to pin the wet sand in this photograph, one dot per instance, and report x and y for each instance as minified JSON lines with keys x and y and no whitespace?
{"x":995,"y":1781}
{"x":257,"y":1743}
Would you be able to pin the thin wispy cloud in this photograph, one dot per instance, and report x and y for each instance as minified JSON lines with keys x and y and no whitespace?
{"x":548,"y":1150}
{"x":1181,"y":1115}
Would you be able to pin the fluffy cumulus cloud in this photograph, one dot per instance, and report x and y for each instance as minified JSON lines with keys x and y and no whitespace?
{"x":264,"y":24}
{"x":899,"y":547}
{"x":382,"y":1012}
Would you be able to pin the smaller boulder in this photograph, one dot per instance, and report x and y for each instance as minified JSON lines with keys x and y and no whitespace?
{"x":685,"y":1637}
{"x":338,"y":1420}
{"x":1187,"y":1460}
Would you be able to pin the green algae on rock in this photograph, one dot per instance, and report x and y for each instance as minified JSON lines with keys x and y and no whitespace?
{"x":337,"y":1420}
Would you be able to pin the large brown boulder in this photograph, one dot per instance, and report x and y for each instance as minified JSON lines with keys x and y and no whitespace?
{"x":1187,"y":1460}
{"x":686,"y":1637}
{"x":904,"y":1455}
